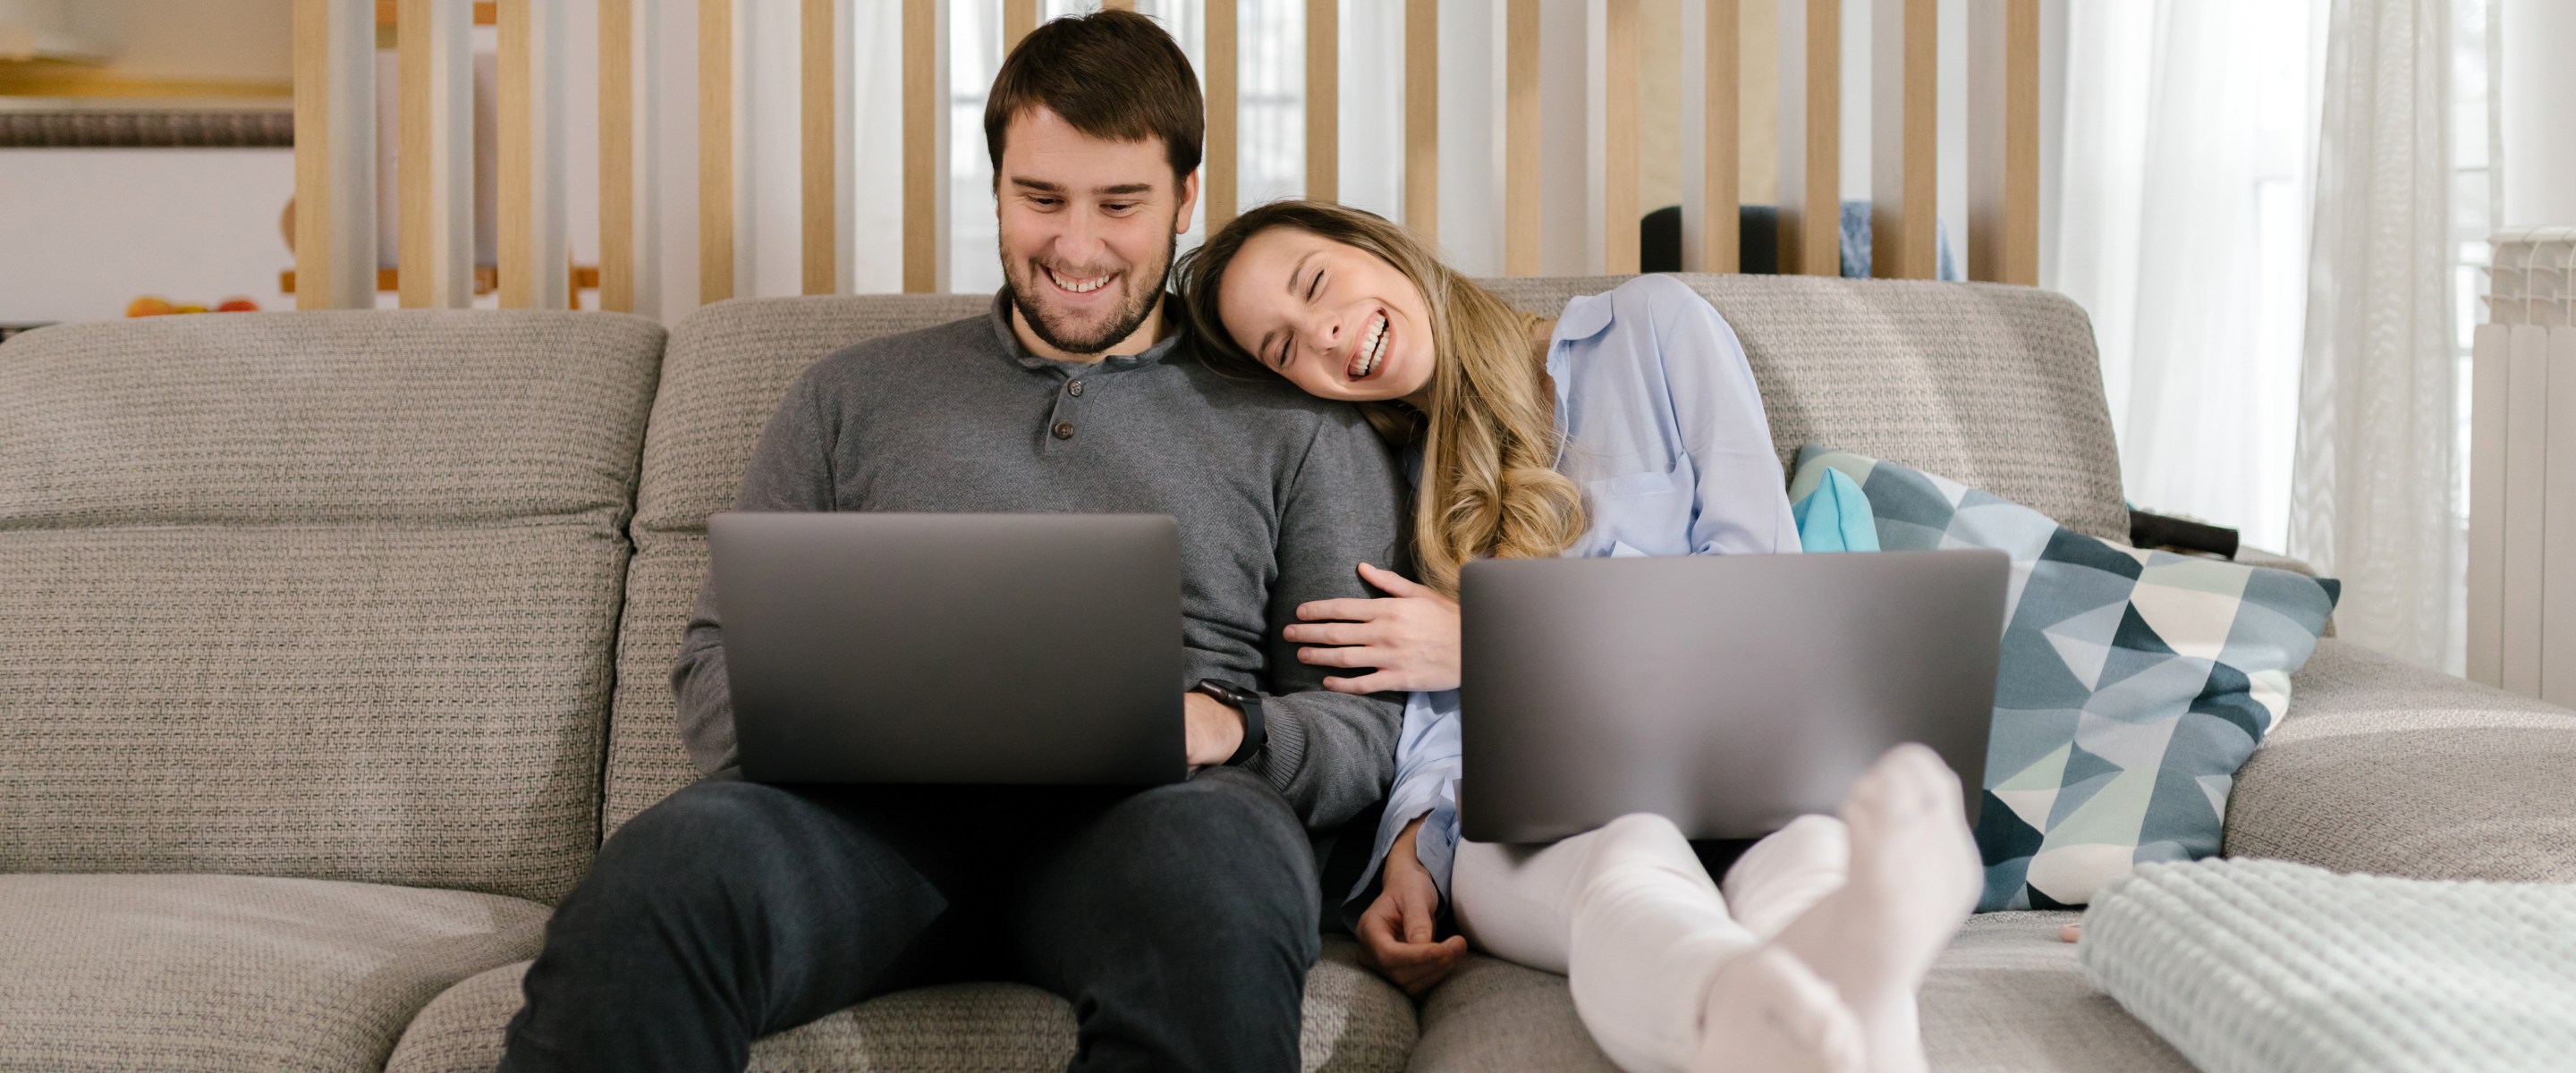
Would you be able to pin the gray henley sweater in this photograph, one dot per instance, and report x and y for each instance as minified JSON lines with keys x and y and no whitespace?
{"x":1279,"y":495}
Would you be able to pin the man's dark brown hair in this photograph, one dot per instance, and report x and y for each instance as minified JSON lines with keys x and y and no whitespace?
{"x":1114,"y":75}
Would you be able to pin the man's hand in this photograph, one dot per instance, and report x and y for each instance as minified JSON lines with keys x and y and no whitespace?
{"x":1211,"y":729}
{"x":1410,"y":636}
{"x":1395,"y":931}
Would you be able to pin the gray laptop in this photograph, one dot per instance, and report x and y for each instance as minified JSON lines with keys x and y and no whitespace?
{"x":1037,"y":649}
{"x":1729,"y":693}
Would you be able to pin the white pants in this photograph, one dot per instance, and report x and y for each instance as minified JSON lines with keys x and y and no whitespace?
{"x":1627,"y":914}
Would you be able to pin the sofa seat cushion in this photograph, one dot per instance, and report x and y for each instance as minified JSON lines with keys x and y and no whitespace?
{"x":1354,"y":1022}
{"x":2006,"y":997}
{"x":185,"y":972}
{"x":2392,"y":769}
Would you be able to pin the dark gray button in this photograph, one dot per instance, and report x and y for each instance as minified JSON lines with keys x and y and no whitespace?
{"x":1064,"y":430}
{"x":1073,"y":388}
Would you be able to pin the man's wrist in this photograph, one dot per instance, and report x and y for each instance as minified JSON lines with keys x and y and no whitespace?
{"x":1247,"y":704}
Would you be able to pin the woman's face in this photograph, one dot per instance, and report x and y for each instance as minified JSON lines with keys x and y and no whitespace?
{"x":1332,"y":318}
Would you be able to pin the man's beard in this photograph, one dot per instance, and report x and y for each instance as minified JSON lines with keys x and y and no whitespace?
{"x":1072,"y":338}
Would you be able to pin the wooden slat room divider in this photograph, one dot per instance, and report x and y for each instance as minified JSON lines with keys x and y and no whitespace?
{"x":335,"y":117}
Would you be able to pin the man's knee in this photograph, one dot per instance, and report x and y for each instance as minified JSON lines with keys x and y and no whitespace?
{"x":1222,"y":847}
{"x":729,"y":823}
{"x":733,"y":843}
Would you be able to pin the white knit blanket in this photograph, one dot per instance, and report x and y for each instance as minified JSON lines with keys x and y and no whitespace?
{"x":2267,"y":967}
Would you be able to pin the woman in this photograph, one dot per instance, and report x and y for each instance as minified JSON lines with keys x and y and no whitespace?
{"x":1628,"y":425}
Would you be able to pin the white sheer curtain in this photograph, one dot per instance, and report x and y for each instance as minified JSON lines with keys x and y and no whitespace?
{"x":2183,"y":231}
{"x":2377,"y":456}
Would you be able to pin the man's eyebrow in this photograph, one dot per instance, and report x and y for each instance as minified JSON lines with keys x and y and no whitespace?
{"x":1037,"y":184}
{"x":1123,"y":189}
{"x":1300,"y":266}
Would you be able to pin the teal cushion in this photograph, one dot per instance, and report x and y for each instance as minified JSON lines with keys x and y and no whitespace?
{"x":1833,"y":515}
{"x":2133,"y":683}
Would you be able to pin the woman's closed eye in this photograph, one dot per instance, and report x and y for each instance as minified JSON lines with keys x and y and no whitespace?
{"x":1288,"y":339}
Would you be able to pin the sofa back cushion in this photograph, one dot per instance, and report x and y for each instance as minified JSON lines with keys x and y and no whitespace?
{"x":315,"y":594}
{"x":725,"y":370}
{"x":1994,"y":385}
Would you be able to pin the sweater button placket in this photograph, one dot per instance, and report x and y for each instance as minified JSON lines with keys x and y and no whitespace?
{"x":1062,"y":417}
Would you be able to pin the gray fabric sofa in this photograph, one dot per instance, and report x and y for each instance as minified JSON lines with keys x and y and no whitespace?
{"x":334,"y":644}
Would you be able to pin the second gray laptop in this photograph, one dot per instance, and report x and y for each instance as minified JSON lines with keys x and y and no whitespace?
{"x":1728,"y":693}
{"x":1033,"y":649}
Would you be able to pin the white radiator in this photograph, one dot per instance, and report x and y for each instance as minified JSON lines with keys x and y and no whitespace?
{"x":2522,"y":469}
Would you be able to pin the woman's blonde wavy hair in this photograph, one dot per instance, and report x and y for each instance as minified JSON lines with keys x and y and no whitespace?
{"x":1489,"y":439}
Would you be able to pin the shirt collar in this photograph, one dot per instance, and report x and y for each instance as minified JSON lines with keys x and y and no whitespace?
{"x":1585,"y":316}
{"x":1011,"y":345}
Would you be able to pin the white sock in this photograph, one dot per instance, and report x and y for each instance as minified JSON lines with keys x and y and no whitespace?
{"x":1914,"y":878}
{"x":1768,"y":1014}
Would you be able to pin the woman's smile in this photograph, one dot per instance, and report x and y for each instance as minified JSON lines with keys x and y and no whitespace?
{"x":1368,"y":357}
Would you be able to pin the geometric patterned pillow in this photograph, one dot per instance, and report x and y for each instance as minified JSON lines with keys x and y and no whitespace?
{"x":2133,"y":683}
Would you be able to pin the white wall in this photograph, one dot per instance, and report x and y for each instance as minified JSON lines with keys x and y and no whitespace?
{"x":2537,"y":89}
{"x":89,"y":230}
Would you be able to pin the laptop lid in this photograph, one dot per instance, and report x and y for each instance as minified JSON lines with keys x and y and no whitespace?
{"x":1035,"y":649}
{"x":1729,"y":693}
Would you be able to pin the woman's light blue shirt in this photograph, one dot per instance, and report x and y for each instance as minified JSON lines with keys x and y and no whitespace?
{"x":1664,"y":432}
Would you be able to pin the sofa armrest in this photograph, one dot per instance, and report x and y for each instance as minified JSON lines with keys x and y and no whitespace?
{"x":2254,"y":556}
{"x":2384,"y":767}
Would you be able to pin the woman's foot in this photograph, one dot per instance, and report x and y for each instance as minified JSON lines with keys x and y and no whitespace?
{"x":1914,"y":878}
{"x":1768,"y":1014}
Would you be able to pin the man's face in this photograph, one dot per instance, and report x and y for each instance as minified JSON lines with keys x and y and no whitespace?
{"x":1088,"y":227}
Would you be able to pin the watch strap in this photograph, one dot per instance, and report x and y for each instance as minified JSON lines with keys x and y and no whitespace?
{"x":1255,"y":733}
{"x":1248,"y":704}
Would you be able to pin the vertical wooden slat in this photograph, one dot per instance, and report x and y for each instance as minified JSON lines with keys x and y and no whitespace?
{"x":1021,"y":16}
{"x":715,"y":150}
{"x":536,"y":262}
{"x":313,"y":231}
{"x":1422,"y":118}
{"x":417,"y":184}
{"x":1117,"y":5}
{"x":920,"y":146}
{"x":1811,"y":137}
{"x":1520,"y":138}
{"x":434,"y":191}
{"x":1218,"y":193}
{"x":2003,"y":141}
{"x":1720,"y":243}
{"x":617,"y":155}
{"x":518,"y":157}
{"x":820,"y":149}
{"x":1904,"y":99}
{"x":335,"y":154}
{"x":1619,"y":73}
{"x":1323,"y":100}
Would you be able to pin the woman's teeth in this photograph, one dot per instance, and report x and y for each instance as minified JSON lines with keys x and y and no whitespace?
{"x":1372,"y":349}
{"x":1079,"y":284}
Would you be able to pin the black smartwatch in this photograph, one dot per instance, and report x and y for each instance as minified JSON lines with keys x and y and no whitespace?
{"x":1241,"y":700}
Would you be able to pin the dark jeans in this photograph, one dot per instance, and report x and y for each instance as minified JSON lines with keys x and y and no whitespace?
{"x":1179,"y":921}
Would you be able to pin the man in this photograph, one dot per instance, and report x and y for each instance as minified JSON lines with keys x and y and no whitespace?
{"x":1180,"y":921}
